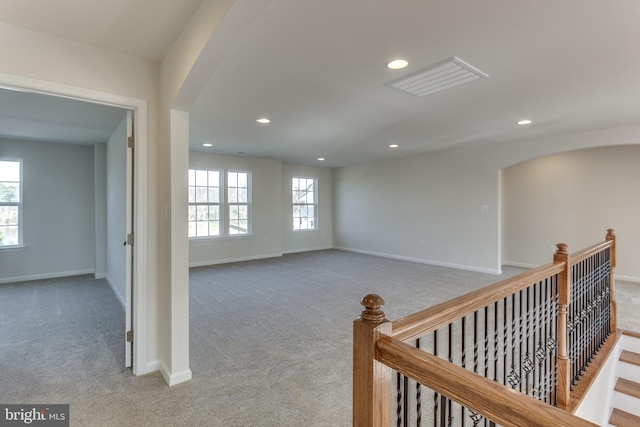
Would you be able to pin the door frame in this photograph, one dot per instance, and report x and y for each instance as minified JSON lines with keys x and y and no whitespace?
{"x":139,"y":321}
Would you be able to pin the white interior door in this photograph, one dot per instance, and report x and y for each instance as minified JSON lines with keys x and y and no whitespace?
{"x":129,"y":242}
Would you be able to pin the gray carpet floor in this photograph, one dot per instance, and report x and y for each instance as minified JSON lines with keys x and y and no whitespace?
{"x":270,"y":340}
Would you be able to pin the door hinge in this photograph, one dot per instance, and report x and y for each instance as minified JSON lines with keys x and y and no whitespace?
{"x":130,"y":239}
{"x":131,"y":142}
{"x":129,"y":336}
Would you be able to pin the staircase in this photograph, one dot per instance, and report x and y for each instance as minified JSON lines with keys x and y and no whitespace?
{"x":626,"y":398}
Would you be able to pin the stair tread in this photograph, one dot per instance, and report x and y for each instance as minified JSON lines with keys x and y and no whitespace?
{"x":630,"y":357}
{"x":621,"y":418}
{"x":629,"y":387}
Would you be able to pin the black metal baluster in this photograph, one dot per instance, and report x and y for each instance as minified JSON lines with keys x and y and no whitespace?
{"x":398,"y":399}
{"x":405,"y":408}
{"x":505,"y":330}
{"x":418,"y":396}
{"x":495,"y":341}
{"x":435,"y":394}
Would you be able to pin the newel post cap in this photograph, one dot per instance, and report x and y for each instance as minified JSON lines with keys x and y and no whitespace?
{"x":372,"y":312}
{"x":562,"y":248}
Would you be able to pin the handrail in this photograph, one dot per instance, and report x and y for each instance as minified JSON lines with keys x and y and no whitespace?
{"x":589,"y":251}
{"x":486,"y":397}
{"x":422,"y":322}
{"x":528,"y":331}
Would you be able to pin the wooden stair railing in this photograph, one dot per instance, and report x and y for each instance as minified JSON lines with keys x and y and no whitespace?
{"x":563,"y":346}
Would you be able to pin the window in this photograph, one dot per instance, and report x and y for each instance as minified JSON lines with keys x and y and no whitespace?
{"x":204,"y":203}
{"x":238,"y":203}
{"x":213,"y":213}
{"x":10,"y":203}
{"x":304,"y":200}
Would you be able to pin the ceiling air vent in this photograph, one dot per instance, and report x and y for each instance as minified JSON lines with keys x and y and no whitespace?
{"x":443,"y":75}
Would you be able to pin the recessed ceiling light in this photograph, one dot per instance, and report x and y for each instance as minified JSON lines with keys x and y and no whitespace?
{"x":525,"y":122}
{"x":397,"y":64}
{"x":321,"y":159}
{"x":393,"y":146}
{"x":263,"y":120}
{"x":206,"y":144}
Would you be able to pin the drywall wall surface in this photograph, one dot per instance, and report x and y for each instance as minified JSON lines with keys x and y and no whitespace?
{"x":441,"y":209}
{"x":573,"y":198}
{"x":58,"y":211}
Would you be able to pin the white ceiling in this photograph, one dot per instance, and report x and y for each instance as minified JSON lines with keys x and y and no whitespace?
{"x":316,"y":69}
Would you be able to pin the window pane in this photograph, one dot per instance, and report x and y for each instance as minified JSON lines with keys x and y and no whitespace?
{"x":192,"y":194}
{"x":214,"y":228}
{"x":192,"y":177}
{"x":201,"y":194}
{"x":9,"y":192}
{"x":243,"y":212}
{"x":8,"y":215}
{"x":192,"y":229}
{"x":202,"y":213}
{"x":214,"y":178}
{"x":9,"y":235}
{"x":214,"y":213}
{"x":214,"y":194}
{"x":201,"y":178}
{"x":202,"y":228}
{"x":242,"y":179}
{"x":9,"y":170}
{"x":192,"y":213}
{"x":232,"y":179}
{"x":242,"y":195}
{"x":233,"y":195}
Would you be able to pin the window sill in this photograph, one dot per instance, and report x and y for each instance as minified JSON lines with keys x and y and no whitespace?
{"x":19,"y":248}
{"x":218,"y":238}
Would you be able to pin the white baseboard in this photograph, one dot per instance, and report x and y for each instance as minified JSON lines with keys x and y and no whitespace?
{"x":170,"y":379}
{"x":518,"y":264}
{"x":628,"y":278}
{"x":424,"y":261}
{"x":295,"y":251}
{"x":45,"y":276}
{"x":100,"y":275}
{"x":524,"y":265}
{"x":115,"y":292}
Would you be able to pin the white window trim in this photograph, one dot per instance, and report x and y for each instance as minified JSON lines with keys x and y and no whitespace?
{"x":248,"y":204}
{"x":315,"y":204}
{"x":221,"y":205}
{"x":225,"y":220}
{"x":20,"y":205}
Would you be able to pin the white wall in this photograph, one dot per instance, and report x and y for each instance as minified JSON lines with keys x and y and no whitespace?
{"x":116,"y":189}
{"x":307,"y":240}
{"x":58,"y":211}
{"x":573,"y":197}
{"x":100,"y":191}
{"x":390,"y":208}
{"x":441,"y":209}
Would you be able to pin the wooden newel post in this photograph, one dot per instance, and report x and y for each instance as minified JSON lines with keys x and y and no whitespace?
{"x":611,"y":236}
{"x":564,"y":298}
{"x":371,"y":379}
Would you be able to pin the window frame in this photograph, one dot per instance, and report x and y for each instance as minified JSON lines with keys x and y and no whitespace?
{"x":208,"y":204}
{"x":314,"y":204}
{"x":19,"y":204}
{"x":229,"y":205}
